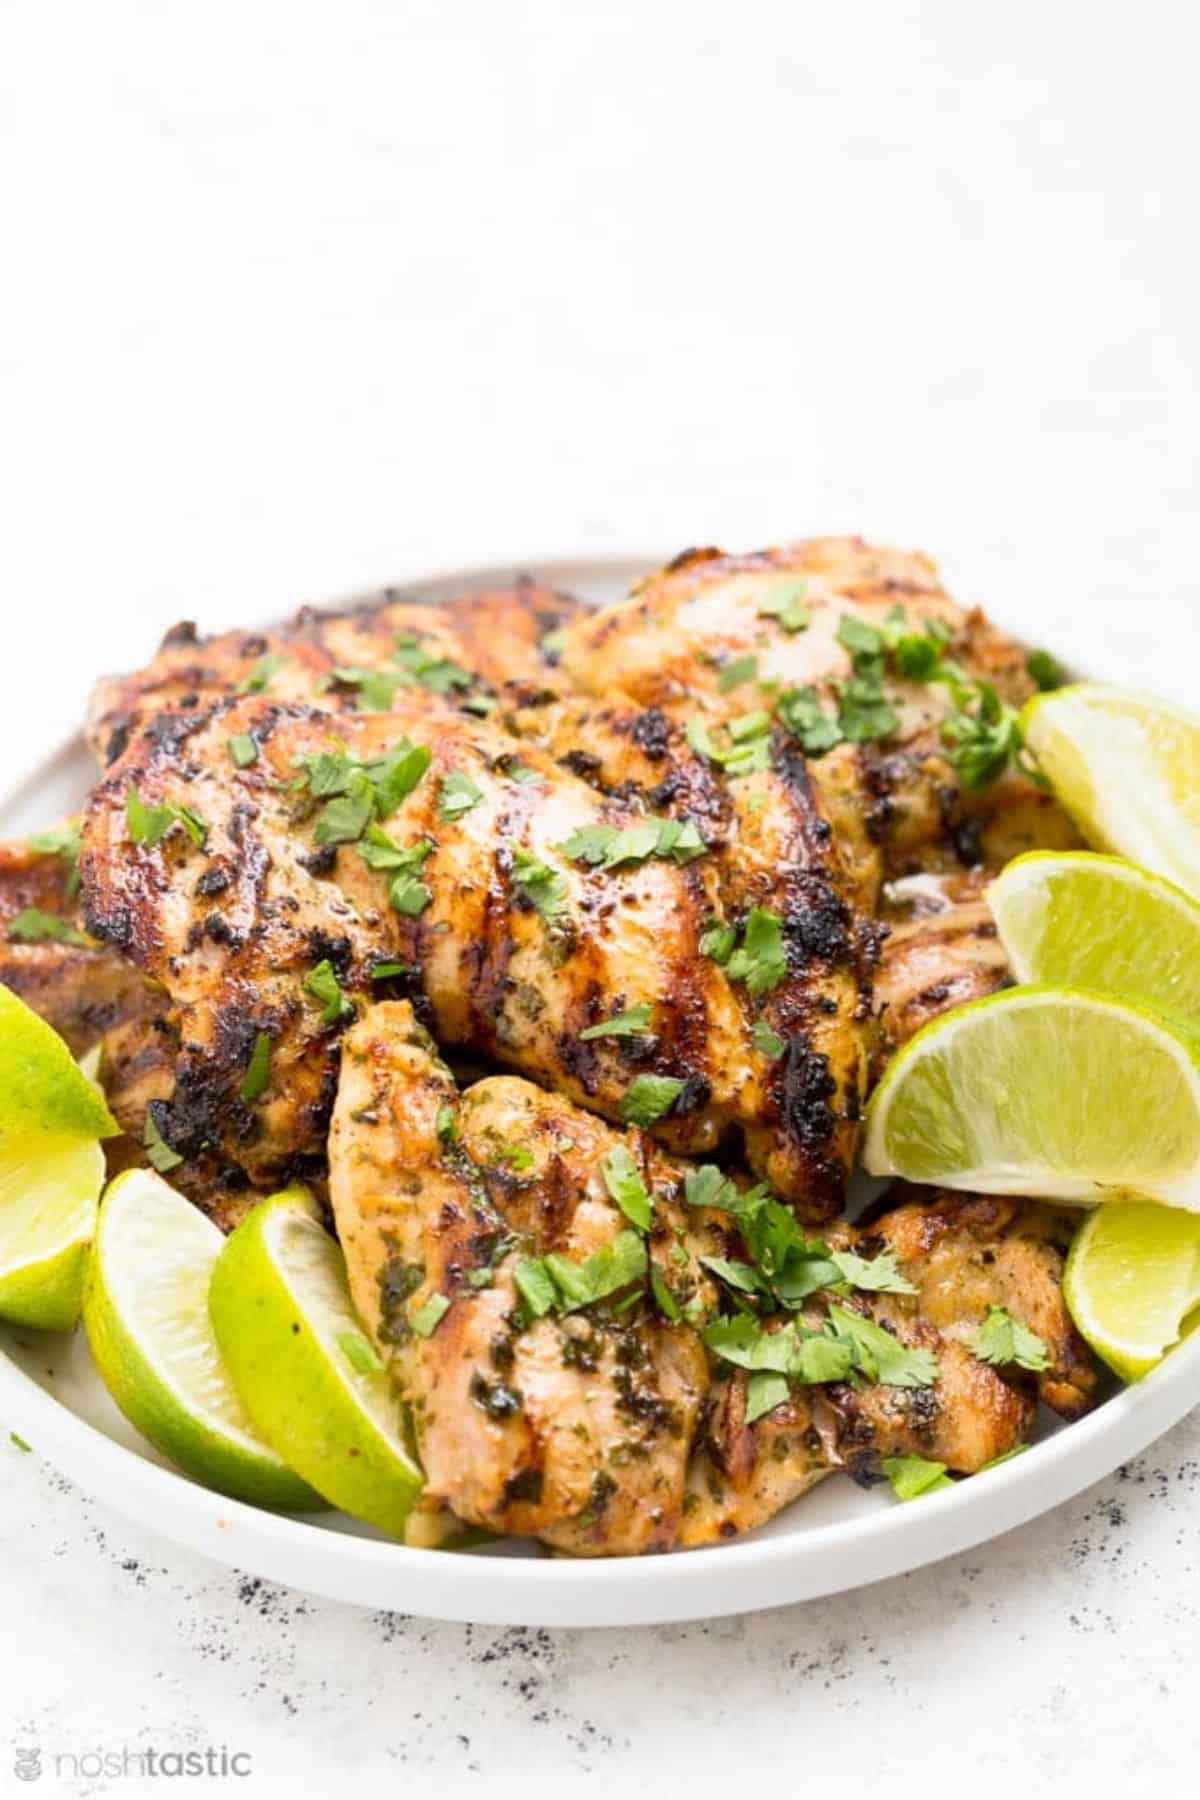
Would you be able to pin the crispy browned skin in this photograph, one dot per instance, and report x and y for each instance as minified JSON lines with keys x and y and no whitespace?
{"x":498,"y":638}
{"x":232,"y":931}
{"x":606,"y":1431}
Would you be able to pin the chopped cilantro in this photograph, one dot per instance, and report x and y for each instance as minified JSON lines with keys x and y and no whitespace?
{"x":623,"y":1179}
{"x":764,"y":1392}
{"x":766,"y":1041}
{"x":18,"y":1442}
{"x":607,"y":1271}
{"x":861,"y":639}
{"x":357,"y":793}
{"x":437,"y":673}
{"x":535,"y":1285}
{"x":982,"y":735}
{"x":630,"y":1023}
{"x":800,"y":710}
{"x":427,"y":1318}
{"x":649,"y":1097}
{"x":912,"y":1476}
{"x":387,"y":971}
{"x":242,"y":749}
{"x":359,"y":1353}
{"x":717,"y":941}
{"x":737,"y":670}
{"x":443,"y":1125}
{"x":32,"y":926}
{"x":1002,"y":1340}
{"x":149,"y":825}
{"x":739,"y":1275}
{"x":457,"y":794}
{"x":519,"y":1157}
{"x":783,"y":604}
{"x":261,"y":675}
{"x":608,"y":847}
{"x":63,"y":841}
{"x":321,"y":984}
{"x":760,"y":959}
{"x":874,"y":1275}
{"x":344,"y":818}
{"x":664,"y":1299}
{"x":1044,"y":670}
{"x":258,"y":1069}
{"x":376,"y":688}
{"x":749,"y":752}
{"x":159,"y":1153}
{"x":542,"y":886}
{"x":879,"y":1356}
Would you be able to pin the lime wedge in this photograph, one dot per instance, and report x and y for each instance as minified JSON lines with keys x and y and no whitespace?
{"x":304,"y":1367}
{"x":145,"y":1312}
{"x":1101,"y":923}
{"x":1132,"y":1277}
{"x":1047,"y":1091}
{"x":51,"y":1170}
{"x":1127,"y":769}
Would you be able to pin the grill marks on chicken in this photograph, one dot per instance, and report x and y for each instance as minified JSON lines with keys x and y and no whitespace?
{"x":605,"y":1430}
{"x":476,"y":643}
{"x":510,"y":963}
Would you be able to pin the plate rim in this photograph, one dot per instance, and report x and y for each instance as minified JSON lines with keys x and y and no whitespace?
{"x":741,"y":1576}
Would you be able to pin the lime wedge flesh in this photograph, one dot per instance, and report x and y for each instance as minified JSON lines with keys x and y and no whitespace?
{"x":43,"y":1091}
{"x":309,"y":1377}
{"x":48,"y":1193}
{"x":1047,"y":1091}
{"x":145,"y":1312}
{"x":1101,"y":923}
{"x":1132,"y":1278}
{"x":1127,"y":769}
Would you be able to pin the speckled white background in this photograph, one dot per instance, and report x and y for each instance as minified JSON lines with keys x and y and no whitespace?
{"x":300,"y":298}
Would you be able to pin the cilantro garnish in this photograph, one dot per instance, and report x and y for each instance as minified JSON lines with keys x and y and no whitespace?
{"x":61,"y":840}
{"x":648,"y":1098}
{"x":258,"y":1069}
{"x":542,"y":886}
{"x":664,"y":1299}
{"x":1044,"y":670}
{"x":261,"y":675}
{"x":457,"y":794}
{"x":149,"y":825}
{"x":407,"y":893}
{"x":608,"y":847}
{"x":879,"y":1356}
{"x":355,"y":793}
{"x":606,"y":1272}
{"x":321,"y":984}
{"x":767,"y":1041}
{"x":631,"y":1022}
{"x":33,"y":926}
{"x":242,"y":750}
{"x":443,"y":1124}
{"x":159,"y":1153}
{"x":428,"y":1317}
{"x":912,"y":1476}
{"x":519,"y":1157}
{"x":717,"y":941}
{"x":623,"y":1179}
{"x":386,"y":970}
{"x":764,"y":1392}
{"x":875,"y":1275}
{"x":737,"y":670}
{"x":1001,"y":1340}
{"x":760,"y":960}
{"x":801,"y":711}
{"x":783,"y":604}
{"x":535,"y":1285}
{"x":982,"y":734}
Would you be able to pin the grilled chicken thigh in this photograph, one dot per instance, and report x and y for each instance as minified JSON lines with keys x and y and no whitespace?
{"x":520,"y":947}
{"x":473,"y":645}
{"x":605,"y":1428}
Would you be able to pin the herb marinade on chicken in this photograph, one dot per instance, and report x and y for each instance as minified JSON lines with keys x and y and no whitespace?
{"x":689,"y":868}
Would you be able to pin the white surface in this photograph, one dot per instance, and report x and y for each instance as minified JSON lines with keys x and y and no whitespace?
{"x":298,"y":299}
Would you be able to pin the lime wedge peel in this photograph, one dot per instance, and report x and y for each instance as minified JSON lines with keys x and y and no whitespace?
{"x":306,"y":1372}
{"x":1127,"y":768}
{"x":1132,"y":1278}
{"x":1100,"y":923}
{"x":145,"y":1312}
{"x":1045,"y":1091}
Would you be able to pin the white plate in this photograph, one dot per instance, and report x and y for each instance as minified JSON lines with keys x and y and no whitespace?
{"x":838,"y":1537}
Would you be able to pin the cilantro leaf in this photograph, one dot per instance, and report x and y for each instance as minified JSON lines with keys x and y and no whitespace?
{"x":159,"y":1153}
{"x":878,"y":1356}
{"x":258,"y":1069}
{"x":631,"y":1022}
{"x":664,"y":1299}
{"x":428,"y":1317}
{"x":760,"y":960}
{"x":648,"y":1098}
{"x":1044,"y":670}
{"x":457,"y":794}
{"x":606,"y":1272}
{"x":260,"y":676}
{"x":875,"y":1275}
{"x":608,"y":847}
{"x":717,"y":941}
{"x":343,"y":819}
{"x":735,"y":671}
{"x":624,"y":1182}
{"x":242,"y":750}
{"x":542,"y":886}
{"x":33,"y":926}
{"x":912,"y":1476}
{"x":1002,"y":1340}
{"x":359,"y":1353}
{"x":149,"y":825}
{"x":321,"y":984}
{"x":801,"y":711}
{"x":783,"y":603}
{"x":766,"y":1040}
{"x":62,"y":841}
{"x":535,"y":1284}
{"x":764,"y":1392}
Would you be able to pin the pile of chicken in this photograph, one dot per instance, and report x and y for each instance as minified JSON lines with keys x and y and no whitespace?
{"x":687,"y":869}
